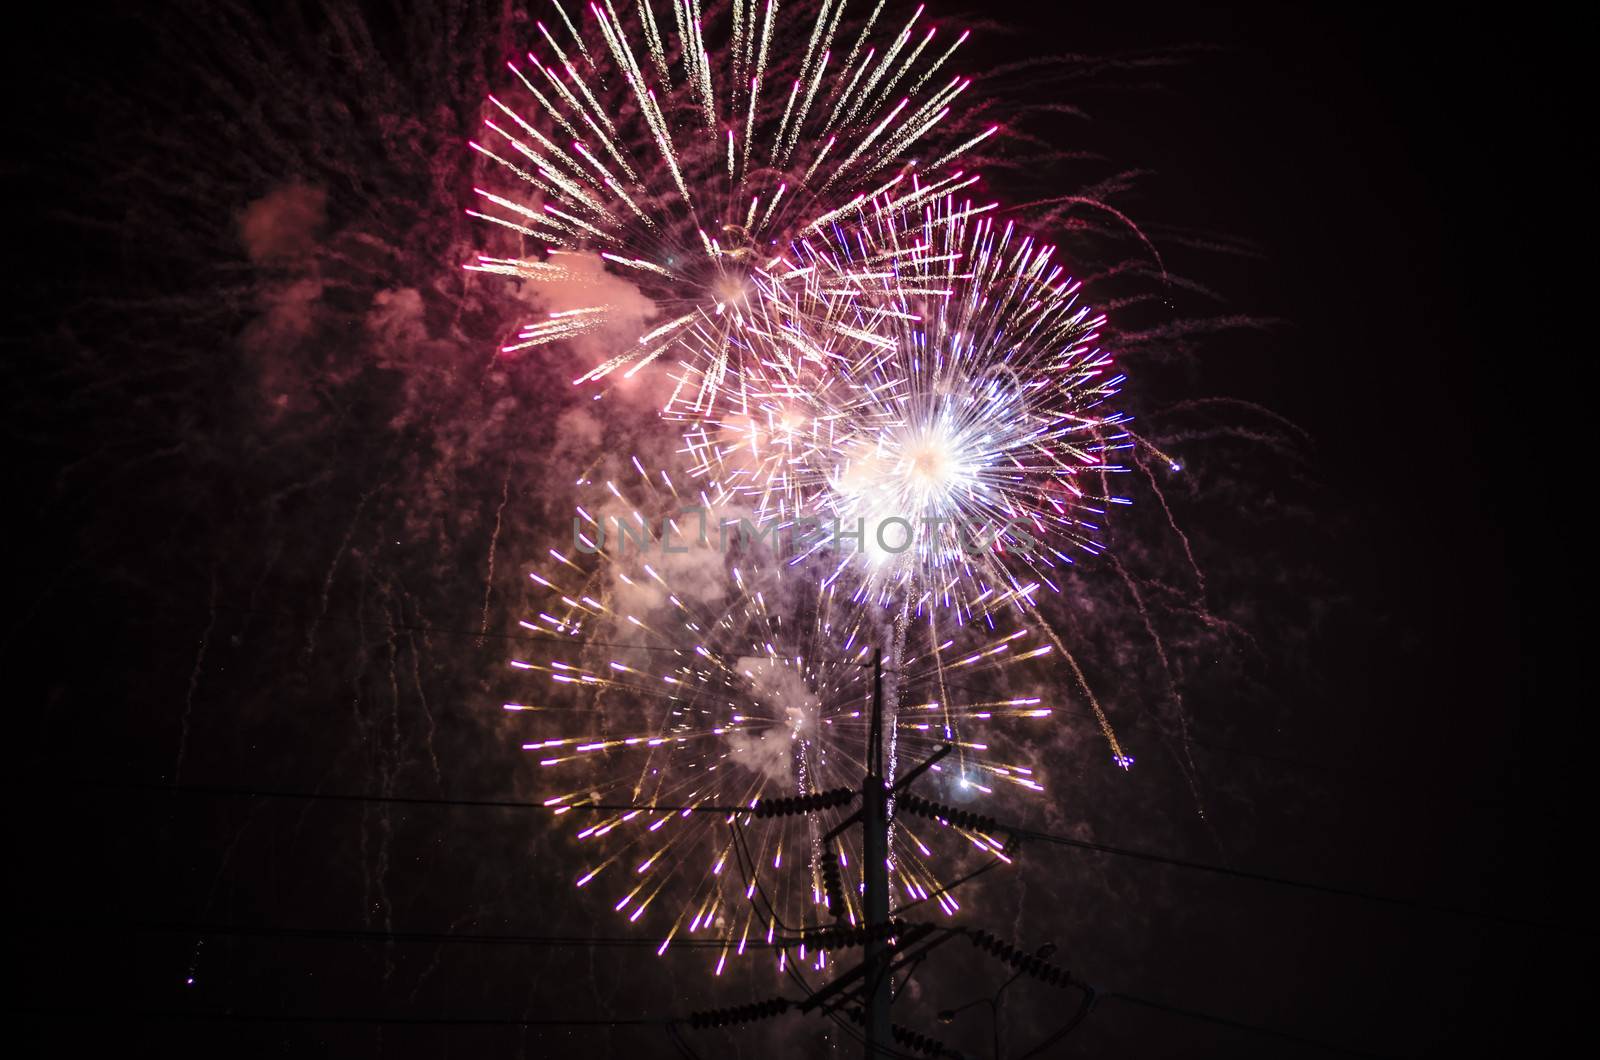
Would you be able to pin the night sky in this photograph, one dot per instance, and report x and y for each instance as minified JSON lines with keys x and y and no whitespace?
{"x":261,"y":454}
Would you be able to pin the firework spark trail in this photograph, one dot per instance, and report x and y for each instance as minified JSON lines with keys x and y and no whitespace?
{"x":430,"y":726}
{"x":333,"y":570}
{"x":1191,"y":771}
{"x":683,"y":164}
{"x":1172,"y":524}
{"x":891,"y":717}
{"x":494,"y":540}
{"x":194,"y":682}
{"x":387,"y":774}
{"x":1117,"y":755}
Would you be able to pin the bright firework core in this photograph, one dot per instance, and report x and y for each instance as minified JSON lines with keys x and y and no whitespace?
{"x":919,"y":474}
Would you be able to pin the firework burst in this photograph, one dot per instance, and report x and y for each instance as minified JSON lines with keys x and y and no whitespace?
{"x":685,"y":149}
{"x":703,"y":682}
{"x":939,"y":388}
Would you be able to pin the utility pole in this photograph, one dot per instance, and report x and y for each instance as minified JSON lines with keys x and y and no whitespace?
{"x":875,"y":873}
{"x":869,"y":982}
{"x":888,"y":946}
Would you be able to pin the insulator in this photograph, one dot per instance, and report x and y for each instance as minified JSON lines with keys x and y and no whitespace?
{"x":1027,"y":964}
{"x":918,"y":1042}
{"x":787,"y":807}
{"x":832,"y":886}
{"x":842,"y":937}
{"x":722,"y":1017}
{"x":958,"y":818}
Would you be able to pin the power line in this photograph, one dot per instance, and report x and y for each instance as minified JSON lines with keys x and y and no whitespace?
{"x":1142,"y":724}
{"x":1020,"y":833}
{"x":1037,"y":966}
{"x":445,"y":631}
{"x":560,"y":941}
{"x":404,"y":800}
{"x":1261,"y":877}
{"x":480,"y":634}
{"x":292,"y":1017}
{"x":1232,"y":1024}
{"x":433,"y":937}
{"x":212,"y":1015}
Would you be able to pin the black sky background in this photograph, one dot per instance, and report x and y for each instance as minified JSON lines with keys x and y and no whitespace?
{"x":1378,"y":164}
